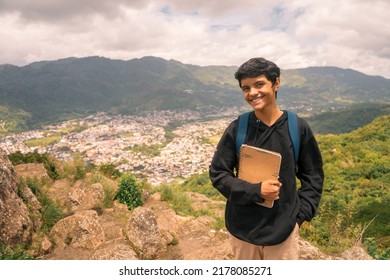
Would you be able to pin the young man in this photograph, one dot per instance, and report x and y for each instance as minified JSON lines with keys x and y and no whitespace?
{"x":259,"y":232}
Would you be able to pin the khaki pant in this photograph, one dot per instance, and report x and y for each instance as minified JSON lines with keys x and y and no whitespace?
{"x":287,"y":250}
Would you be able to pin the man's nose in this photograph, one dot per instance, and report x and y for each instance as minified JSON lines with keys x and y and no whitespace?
{"x":253,"y":91}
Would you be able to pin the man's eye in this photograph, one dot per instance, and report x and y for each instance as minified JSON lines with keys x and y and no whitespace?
{"x":259,"y":85}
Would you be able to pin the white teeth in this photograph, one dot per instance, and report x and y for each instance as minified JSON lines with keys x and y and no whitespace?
{"x":257,"y":99}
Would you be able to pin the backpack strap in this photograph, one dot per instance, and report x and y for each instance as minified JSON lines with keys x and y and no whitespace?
{"x":293,"y":130}
{"x":243,"y":121}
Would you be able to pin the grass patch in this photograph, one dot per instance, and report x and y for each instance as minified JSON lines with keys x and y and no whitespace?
{"x":177,"y":199}
{"x":126,"y":134}
{"x":19,"y":253}
{"x":148,"y":150}
{"x":75,"y":128}
{"x":180,"y":202}
{"x":43,"y":142}
{"x":51,"y":211}
{"x":201,"y":183}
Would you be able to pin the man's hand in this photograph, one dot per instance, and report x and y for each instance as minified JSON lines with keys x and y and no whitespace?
{"x":270,"y":189}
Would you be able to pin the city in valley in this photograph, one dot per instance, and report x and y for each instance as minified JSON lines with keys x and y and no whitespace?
{"x":159,"y":145}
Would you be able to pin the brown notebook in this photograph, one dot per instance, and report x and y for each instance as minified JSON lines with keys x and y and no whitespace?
{"x":257,"y":165}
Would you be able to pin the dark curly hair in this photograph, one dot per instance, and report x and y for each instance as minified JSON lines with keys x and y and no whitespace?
{"x":255,"y":67}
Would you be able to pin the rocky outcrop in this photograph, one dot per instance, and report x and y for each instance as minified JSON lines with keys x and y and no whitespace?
{"x":356,"y":253}
{"x":115,"y":252}
{"x":31,"y":170}
{"x":15,"y":224}
{"x":144,"y":234}
{"x":81,"y":230}
{"x":82,"y":195}
{"x":33,"y":205}
{"x":86,"y":197}
{"x":309,"y":252}
{"x":153,"y":231}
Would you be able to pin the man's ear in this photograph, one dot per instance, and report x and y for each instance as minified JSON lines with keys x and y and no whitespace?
{"x":277,"y":83}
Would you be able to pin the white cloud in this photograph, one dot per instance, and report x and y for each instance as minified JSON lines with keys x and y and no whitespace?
{"x":60,"y":10}
{"x":348,"y":34}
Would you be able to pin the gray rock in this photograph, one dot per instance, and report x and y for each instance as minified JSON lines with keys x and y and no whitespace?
{"x":144,"y":234}
{"x":15,"y":224}
{"x":81,"y":230}
{"x":356,"y":253}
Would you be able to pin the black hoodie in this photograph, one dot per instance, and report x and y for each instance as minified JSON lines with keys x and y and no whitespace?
{"x":257,"y":224}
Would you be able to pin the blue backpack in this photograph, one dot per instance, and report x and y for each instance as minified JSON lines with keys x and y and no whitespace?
{"x":293,"y":130}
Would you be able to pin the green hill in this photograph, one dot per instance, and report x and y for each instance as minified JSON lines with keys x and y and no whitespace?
{"x":357,"y":190}
{"x":50,"y":91}
{"x":332,"y":85}
{"x":348,"y":119}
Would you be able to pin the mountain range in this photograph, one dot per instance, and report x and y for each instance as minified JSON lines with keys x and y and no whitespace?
{"x":51,"y":91}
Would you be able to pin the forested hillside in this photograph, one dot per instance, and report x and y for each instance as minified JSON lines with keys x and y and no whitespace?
{"x":51,"y":91}
{"x":348,"y":119}
{"x":356,"y":197}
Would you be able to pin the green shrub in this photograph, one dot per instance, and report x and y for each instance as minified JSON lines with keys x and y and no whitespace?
{"x":129,"y":192}
{"x":110,"y":171}
{"x":18,"y":253}
{"x":376,"y":250}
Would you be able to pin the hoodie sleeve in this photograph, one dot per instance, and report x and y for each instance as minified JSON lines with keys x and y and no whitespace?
{"x":311,"y":175}
{"x":223,"y":169}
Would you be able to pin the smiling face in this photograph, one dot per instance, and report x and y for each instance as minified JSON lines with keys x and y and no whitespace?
{"x":259,"y":92}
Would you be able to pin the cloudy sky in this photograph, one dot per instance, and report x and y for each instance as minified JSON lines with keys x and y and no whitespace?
{"x":293,"y":33}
